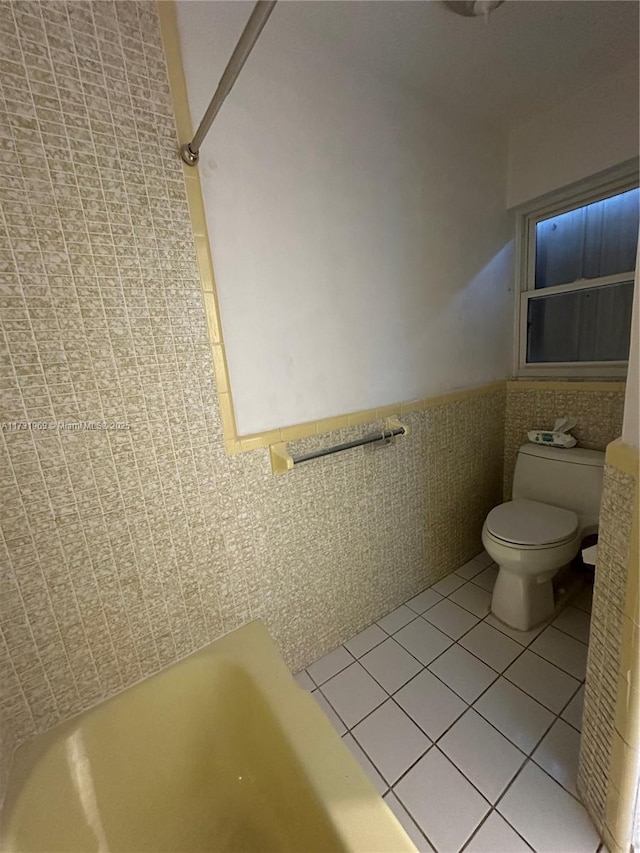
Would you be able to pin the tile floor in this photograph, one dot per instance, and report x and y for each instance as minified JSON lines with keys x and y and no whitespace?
{"x":469,"y":730}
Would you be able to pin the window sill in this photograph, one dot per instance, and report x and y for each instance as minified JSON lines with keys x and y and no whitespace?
{"x":573,"y":372}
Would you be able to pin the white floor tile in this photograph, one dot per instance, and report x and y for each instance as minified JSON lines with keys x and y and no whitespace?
{"x":473,"y":598}
{"x":519,"y":717}
{"x":484,"y":558}
{"x":558,"y":755}
{"x":443,"y":803}
{"x":584,"y":599}
{"x":487,"y":578}
{"x":464,"y":673}
{"x":353,"y":693}
{"x":389,"y":736}
{"x":452,"y":620}
{"x":423,"y":640}
{"x":408,"y":824}
{"x":378,"y":782}
{"x":522,"y":637}
{"x":575,"y":622}
{"x":496,"y":836}
{"x":424,"y":601}
{"x":365,"y":641}
{"x":430,"y":703}
{"x":322,"y":670}
{"x":545,"y":682}
{"x":485,"y":757}
{"x":470,"y":569}
{"x":546,"y":816}
{"x":304,"y":681}
{"x":390,"y":665}
{"x":491,"y":646}
{"x":573,"y":712}
{"x":395,"y":620}
{"x":334,"y":719}
{"x":392,"y":741}
{"x":448,"y":584}
{"x":564,"y":651}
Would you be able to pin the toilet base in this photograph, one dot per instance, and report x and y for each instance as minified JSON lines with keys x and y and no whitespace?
{"x":521,"y":602}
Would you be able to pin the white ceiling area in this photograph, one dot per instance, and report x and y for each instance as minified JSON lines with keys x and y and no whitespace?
{"x":531,"y":55}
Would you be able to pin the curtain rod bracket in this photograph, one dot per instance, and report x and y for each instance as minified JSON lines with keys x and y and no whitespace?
{"x":190,"y":152}
{"x":189,"y":156}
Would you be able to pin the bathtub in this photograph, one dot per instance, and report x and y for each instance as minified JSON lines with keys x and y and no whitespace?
{"x":220,"y":752}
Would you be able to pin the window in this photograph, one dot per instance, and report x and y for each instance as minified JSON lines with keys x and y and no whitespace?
{"x":577,"y":264}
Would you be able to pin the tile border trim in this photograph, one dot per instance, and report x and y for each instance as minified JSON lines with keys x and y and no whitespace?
{"x":564,"y":385}
{"x":177,"y":84}
{"x":624,"y":457}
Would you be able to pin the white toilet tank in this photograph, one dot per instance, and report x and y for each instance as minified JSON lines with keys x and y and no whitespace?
{"x":570,"y":478}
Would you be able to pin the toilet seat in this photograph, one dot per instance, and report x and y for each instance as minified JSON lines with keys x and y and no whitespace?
{"x":527,"y":524}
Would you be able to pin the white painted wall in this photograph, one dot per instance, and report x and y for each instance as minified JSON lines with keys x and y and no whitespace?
{"x":591,"y":132}
{"x":360,"y":241}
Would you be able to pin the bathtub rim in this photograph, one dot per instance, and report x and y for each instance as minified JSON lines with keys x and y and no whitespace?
{"x":357,"y":813}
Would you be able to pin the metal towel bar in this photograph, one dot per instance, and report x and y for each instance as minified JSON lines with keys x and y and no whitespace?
{"x":282,"y":461}
{"x":372,"y":438}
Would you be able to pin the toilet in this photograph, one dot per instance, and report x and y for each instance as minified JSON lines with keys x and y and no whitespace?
{"x":556,"y":503}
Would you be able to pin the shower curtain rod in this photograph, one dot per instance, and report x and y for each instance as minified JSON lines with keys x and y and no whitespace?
{"x":190,"y":151}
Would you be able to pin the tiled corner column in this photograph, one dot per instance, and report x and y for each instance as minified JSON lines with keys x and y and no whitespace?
{"x":610,"y":748}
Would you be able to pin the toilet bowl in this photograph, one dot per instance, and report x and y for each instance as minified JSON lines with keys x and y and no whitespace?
{"x":556,"y":502}
{"x":530,"y":542}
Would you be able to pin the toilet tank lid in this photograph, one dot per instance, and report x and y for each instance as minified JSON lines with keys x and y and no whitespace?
{"x":576,"y":455}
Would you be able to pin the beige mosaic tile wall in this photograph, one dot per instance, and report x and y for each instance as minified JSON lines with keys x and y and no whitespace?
{"x":124,"y":550}
{"x":598,"y":408}
{"x":610,"y":737}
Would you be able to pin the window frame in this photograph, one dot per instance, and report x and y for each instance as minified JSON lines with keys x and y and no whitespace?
{"x":578,"y":195}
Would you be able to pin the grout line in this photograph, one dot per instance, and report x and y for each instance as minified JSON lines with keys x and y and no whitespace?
{"x":480,"y":695}
{"x":375,"y":646}
{"x":310,"y":676}
{"x":564,"y":672}
{"x":557,"y":717}
{"x":431,"y":740}
{"x":423,"y":833}
{"x":337,"y":672}
{"x":562,"y":631}
{"x":411,"y":818}
{"x":527,"y":757}
{"x":368,"y":714}
{"x":348,"y":730}
{"x":446,"y":757}
{"x":442,"y":597}
{"x":484,"y":820}
{"x":454,"y":642}
{"x":366,"y":755}
{"x":423,"y":667}
{"x":530,"y":758}
{"x":472,"y":560}
{"x":525,"y":648}
{"x":391,"y":633}
{"x":571,"y":726}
